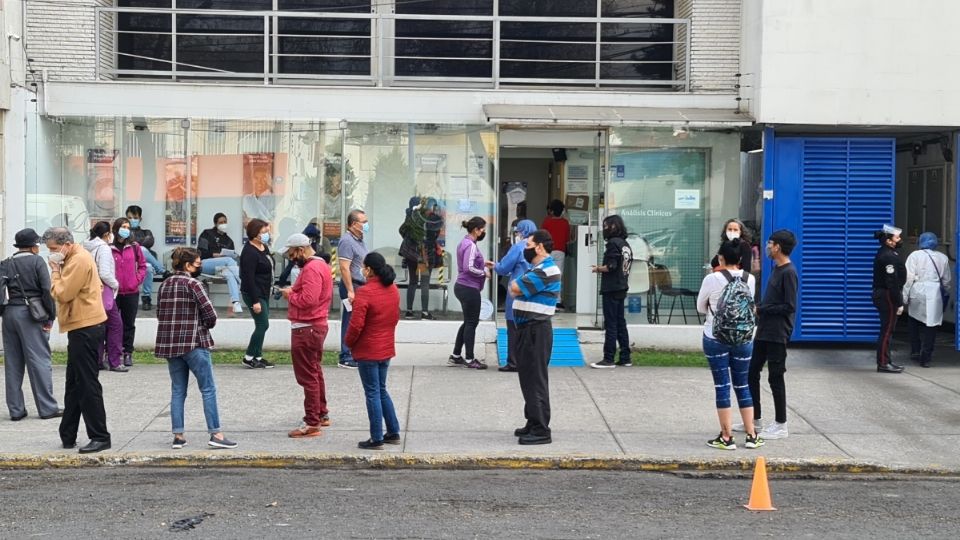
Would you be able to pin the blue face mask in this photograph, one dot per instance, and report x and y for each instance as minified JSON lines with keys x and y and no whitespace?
{"x":134,"y":223}
{"x":265,"y":238}
{"x":366,"y":228}
{"x":124,"y":233}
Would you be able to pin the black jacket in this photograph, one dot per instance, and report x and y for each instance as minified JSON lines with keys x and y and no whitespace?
{"x":33,"y":278}
{"x":617,"y":258}
{"x":213,"y":241}
{"x":889,"y":274}
{"x":777,"y":309}
{"x":256,"y":272}
{"x":144,"y":237}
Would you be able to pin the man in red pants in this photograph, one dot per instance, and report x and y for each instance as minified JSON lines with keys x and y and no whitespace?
{"x":309,"y":304}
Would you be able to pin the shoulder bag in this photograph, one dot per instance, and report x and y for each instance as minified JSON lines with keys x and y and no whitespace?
{"x":944,"y":292}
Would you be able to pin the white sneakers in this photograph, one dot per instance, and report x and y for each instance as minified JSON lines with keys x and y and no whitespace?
{"x":757,"y":425}
{"x":775,"y":430}
{"x":237,"y":307}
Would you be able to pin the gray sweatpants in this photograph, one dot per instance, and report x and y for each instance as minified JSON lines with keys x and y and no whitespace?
{"x":27,"y":347}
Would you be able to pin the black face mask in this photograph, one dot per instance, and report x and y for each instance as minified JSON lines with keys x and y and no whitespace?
{"x":300,"y":262}
{"x":529,"y":254}
{"x":898,"y":245}
{"x":482,"y":236}
{"x":607,"y":233}
{"x":196,"y":273}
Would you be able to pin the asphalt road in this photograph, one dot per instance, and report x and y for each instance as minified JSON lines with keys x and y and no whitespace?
{"x":263,"y":503}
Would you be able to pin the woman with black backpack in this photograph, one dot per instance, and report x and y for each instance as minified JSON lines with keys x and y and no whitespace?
{"x":726,"y":298}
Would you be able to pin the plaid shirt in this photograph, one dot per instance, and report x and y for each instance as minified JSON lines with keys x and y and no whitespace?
{"x":184,"y":316}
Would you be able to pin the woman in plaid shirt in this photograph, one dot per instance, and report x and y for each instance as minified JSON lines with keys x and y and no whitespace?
{"x":184,"y":319}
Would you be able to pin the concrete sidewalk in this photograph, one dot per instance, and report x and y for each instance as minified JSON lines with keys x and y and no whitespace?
{"x":843,"y":417}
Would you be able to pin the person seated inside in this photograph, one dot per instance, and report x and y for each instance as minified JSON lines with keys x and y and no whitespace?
{"x":145,"y":238}
{"x":218,"y":254}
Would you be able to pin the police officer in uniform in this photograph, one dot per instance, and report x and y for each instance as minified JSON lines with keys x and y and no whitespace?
{"x":889,"y":276}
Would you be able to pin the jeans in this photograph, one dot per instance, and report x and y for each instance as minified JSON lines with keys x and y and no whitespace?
{"x":306,"y":349}
{"x":345,"y":354}
{"x":726,"y":360}
{"x":615,"y":326}
{"x":775,"y":356}
{"x":467,"y":334}
{"x":373,"y":375}
{"x":922,"y":340}
{"x":153,"y":267}
{"x":198,"y":362}
{"x":418,"y":279}
{"x":231,"y":273}
{"x":261,"y":323}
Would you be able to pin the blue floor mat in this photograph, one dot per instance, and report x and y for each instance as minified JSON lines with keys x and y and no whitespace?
{"x":566,"y":348}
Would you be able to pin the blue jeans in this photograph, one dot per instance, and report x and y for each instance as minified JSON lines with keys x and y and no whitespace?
{"x":345,"y":354}
{"x":153,"y":267}
{"x":231,"y":273}
{"x":373,"y":375}
{"x":726,"y":360}
{"x":198,"y":362}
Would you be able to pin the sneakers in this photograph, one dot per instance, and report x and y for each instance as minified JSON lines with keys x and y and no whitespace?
{"x":426,"y":316}
{"x":146,"y":304}
{"x":250,"y":363}
{"x":223,"y":442}
{"x":128,"y":359}
{"x":264,"y":363}
{"x":178,"y":442}
{"x":625,"y":363}
{"x":304,"y":431}
{"x":740,"y":428}
{"x":349,"y":364}
{"x":720,"y":444}
{"x":456,"y":361}
{"x":775,"y":430}
{"x":324,"y":421}
{"x":392,"y":438}
{"x":475,"y":364}
{"x":603,"y":364}
{"x":754,"y":442}
{"x":408,"y":315}
{"x":237,"y":307}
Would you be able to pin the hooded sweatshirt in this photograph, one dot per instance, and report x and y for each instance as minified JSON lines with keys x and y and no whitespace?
{"x":513,"y":264}
{"x":130,"y":266}
{"x":102,"y":256}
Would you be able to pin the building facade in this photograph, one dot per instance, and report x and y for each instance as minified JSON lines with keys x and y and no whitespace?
{"x":292,"y":111}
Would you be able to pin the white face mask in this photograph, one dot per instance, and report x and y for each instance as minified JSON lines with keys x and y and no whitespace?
{"x":56,"y":257}
{"x":732,"y":234}
{"x":222,"y":227}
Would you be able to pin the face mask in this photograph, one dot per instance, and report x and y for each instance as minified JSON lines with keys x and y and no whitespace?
{"x":366,"y":228}
{"x":529,"y":254}
{"x":516,"y":238}
{"x":222,"y":227}
{"x":606,"y":233}
{"x":732,"y":235}
{"x":56,"y":257}
{"x":898,"y":245}
{"x":124,"y":233}
{"x":134,"y":223}
{"x":300,"y":262}
{"x":196,"y":273}
{"x":265,"y":238}
{"x":482,"y":236}
{"x":109,"y":239}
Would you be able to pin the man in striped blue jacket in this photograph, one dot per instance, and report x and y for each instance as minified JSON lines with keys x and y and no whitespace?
{"x":535,"y":300}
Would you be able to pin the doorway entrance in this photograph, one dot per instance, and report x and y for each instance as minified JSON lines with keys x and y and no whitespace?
{"x":537,"y":168}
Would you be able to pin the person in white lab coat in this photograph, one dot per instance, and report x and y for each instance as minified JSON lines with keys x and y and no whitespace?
{"x":927,"y":271}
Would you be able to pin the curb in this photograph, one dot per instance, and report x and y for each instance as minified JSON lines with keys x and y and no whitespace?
{"x":266,"y":460}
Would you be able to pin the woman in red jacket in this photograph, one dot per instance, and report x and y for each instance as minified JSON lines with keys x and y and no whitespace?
{"x":371,"y":338}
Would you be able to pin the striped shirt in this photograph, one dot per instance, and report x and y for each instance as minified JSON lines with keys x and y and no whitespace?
{"x":539,"y":293}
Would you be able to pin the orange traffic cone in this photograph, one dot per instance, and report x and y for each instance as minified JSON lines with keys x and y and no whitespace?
{"x":760,"y":492}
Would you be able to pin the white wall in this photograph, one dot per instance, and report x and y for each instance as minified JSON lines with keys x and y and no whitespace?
{"x":855,"y":62}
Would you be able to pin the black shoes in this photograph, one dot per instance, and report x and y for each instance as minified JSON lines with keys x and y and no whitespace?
{"x":120,"y":369}
{"x":128,"y":359}
{"x":18,"y":418}
{"x":530,"y":438}
{"x":521,"y":431}
{"x":392,"y":438}
{"x":507,"y":369}
{"x":69,"y":445}
{"x":58,"y":414}
{"x":94,"y":446}
{"x":889,"y":368}
{"x":146,"y":303}
{"x":370,"y":444}
{"x":426,"y":316}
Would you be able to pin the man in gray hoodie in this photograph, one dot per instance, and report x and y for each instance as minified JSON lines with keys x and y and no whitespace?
{"x":99,"y":247}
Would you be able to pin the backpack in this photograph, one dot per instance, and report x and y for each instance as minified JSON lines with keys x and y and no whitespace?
{"x":735,"y":318}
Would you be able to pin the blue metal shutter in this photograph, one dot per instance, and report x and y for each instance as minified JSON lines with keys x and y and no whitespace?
{"x":847,"y":192}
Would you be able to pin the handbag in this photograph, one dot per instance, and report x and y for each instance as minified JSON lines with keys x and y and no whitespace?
{"x":34,"y":304}
{"x":944,"y":292}
{"x":408,"y":250}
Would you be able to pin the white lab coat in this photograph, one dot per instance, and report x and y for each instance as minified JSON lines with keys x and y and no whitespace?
{"x":921,"y":293}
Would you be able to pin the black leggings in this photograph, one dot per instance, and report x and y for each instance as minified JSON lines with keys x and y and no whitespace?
{"x":128,"y":304}
{"x":470,"y":303}
{"x":421,"y":279}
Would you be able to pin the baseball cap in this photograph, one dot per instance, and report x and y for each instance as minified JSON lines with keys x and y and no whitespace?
{"x":297,"y":240}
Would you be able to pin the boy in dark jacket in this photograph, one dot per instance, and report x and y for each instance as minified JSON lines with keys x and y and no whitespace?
{"x":145,"y":238}
{"x":614,"y":274}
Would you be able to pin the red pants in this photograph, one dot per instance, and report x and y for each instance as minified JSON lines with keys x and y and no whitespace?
{"x":306,"y":346}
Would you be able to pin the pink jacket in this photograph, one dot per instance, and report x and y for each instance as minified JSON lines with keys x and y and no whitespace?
{"x":131,"y":267}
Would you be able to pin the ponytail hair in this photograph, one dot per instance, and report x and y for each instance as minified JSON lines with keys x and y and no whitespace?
{"x":378,"y":265}
{"x":182,"y":256}
{"x":730,"y":251}
{"x":99,"y":229}
{"x":474,"y":223}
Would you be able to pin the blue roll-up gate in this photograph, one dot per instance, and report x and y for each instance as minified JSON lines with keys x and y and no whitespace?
{"x":833,"y":192}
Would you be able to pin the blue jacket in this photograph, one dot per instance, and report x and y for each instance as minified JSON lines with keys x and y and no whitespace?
{"x":513,"y":264}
